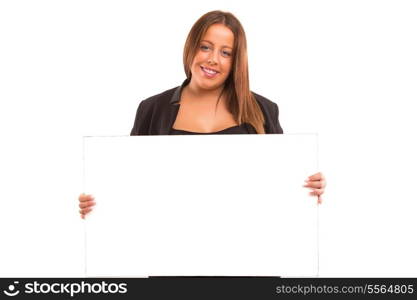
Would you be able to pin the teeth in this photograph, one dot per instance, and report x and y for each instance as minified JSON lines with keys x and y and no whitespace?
{"x":209,"y":71}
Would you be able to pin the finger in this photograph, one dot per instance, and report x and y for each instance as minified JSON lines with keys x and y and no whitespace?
{"x":317,"y":176}
{"x":84,"y":197}
{"x":315,"y":184}
{"x":87,"y":204}
{"x":317,"y":192}
{"x":319,"y":200}
{"x":85,"y":211}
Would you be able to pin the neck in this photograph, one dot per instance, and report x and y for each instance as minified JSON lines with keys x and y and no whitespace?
{"x":195,"y":91}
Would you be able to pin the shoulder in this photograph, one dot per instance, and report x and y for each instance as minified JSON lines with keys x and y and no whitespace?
{"x":265,"y":102}
{"x":271,"y":113}
{"x":157,"y":100}
{"x":269,"y":108}
{"x":153,"y":113}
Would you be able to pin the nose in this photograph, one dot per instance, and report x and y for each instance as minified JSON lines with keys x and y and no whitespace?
{"x":213,"y":59}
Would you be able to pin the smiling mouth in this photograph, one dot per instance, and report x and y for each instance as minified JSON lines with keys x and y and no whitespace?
{"x":209,"y":71}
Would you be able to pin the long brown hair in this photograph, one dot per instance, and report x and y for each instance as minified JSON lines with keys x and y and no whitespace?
{"x":239,"y":99}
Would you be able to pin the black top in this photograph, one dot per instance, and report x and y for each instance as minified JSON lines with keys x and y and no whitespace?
{"x":156,"y":115}
{"x":242,"y":129}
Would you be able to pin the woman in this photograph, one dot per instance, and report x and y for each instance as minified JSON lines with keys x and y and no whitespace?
{"x":215,"y":98}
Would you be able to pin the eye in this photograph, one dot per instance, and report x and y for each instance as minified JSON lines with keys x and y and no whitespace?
{"x":204,"y":47}
{"x":226,"y":53}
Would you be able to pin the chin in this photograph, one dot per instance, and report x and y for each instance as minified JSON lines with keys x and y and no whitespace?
{"x":209,"y":85}
{"x":212,"y":86}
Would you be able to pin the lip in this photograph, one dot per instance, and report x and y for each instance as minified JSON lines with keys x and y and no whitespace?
{"x":208,"y":75}
{"x":210,"y":69}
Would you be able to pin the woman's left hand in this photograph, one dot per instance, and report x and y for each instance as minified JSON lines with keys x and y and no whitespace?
{"x":316,"y":183}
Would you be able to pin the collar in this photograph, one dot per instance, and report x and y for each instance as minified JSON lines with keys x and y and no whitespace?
{"x":176,"y":97}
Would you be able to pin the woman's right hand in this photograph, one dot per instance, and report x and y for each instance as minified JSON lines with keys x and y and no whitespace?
{"x":86,"y":204}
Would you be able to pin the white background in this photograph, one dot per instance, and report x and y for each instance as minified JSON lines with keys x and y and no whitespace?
{"x":204,"y":215}
{"x":344,"y":69}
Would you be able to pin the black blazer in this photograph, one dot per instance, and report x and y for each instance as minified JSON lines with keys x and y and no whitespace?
{"x":156,"y":115}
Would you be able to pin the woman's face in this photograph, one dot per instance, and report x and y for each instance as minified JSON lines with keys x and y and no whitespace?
{"x":213,"y":61}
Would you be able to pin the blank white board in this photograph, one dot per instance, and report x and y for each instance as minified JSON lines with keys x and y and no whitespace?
{"x":201,"y":205}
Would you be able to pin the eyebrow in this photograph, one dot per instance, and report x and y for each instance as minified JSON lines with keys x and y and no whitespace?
{"x":213,"y":44}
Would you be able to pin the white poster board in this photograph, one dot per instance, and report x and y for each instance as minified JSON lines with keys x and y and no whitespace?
{"x":201,"y":205}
